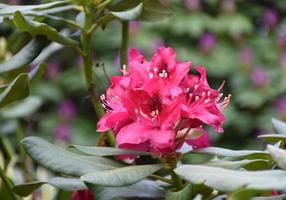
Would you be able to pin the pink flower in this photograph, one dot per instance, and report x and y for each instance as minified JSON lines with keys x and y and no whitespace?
{"x":82,"y":195}
{"x":156,"y":105}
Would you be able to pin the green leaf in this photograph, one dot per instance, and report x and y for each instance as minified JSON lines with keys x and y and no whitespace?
{"x":38,"y":71}
{"x":17,"y":90}
{"x":59,"y":160}
{"x":273,"y":138}
{"x":279,"y":126}
{"x":38,"y":28}
{"x":22,"y":109}
{"x":153,"y":10}
{"x":242,"y":194}
{"x":25,"y":56}
{"x":131,"y":14}
{"x":143,"y":189}
{"x":107,"y":151}
{"x":278,"y":155}
{"x":256,"y":163}
{"x":67,"y":184}
{"x":184,"y":194}
{"x":277,"y":197}
{"x":250,"y":154}
{"x":27,"y":188}
{"x":121,"y":176}
{"x":10,"y":9}
{"x":230,"y":180}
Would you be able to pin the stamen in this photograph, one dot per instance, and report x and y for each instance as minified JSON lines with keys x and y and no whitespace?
{"x":102,"y":97}
{"x":124,"y":69}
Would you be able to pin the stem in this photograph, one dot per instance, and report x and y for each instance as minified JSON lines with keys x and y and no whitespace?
{"x":124,"y":43}
{"x":88,"y":72}
{"x":177,"y":180}
{"x":104,"y":4}
{"x":161,"y":179}
{"x":8,"y":184}
{"x":20,"y":136}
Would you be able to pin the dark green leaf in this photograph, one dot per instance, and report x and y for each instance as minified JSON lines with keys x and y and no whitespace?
{"x":153,"y":10}
{"x":27,"y":188}
{"x":184,"y":194}
{"x":38,"y":28}
{"x":238,"y":164}
{"x":230,"y":180}
{"x":276,"y":197}
{"x":131,"y":14}
{"x":107,"y":151}
{"x":250,"y":154}
{"x":242,"y":194}
{"x":273,"y":138}
{"x":17,"y":90}
{"x":121,"y":176}
{"x":25,"y":56}
{"x":22,"y":109}
{"x":10,"y":9}
{"x":143,"y":189}
{"x":38,"y":71}
{"x":59,"y":160}
{"x":67,"y":184}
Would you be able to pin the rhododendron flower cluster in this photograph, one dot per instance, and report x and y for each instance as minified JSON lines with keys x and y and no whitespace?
{"x":157,"y":106}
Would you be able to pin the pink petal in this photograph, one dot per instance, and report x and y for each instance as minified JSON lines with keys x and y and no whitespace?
{"x":165,"y":55}
{"x":200,"y":142}
{"x":181,"y":70}
{"x":138,"y":134}
{"x":110,"y":120}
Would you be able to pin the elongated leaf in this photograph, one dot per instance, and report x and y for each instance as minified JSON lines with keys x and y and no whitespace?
{"x":273,"y":138}
{"x":242,"y":194}
{"x":49,"y":50}
{"x":277,"y":197}
{"x":121,"y":176}
{"x":67,"y":184}
{"x":230,"y":180}
{"x":279,"y":126}
{"x":107,"y":151}
{"x":232,"y":153}
{"x":10,"y":9}
{"x":153,"y":10}
{"x":17,"y":90}
{"x":37,"y":28}
{"x":25,"y":56}
{"x":22,"y":109}
{"x":278,"y":155}
{"x":59,"y":160}
{"x":131,"y":14}
{"x":143,"y":189}
{"x":256,"y":163}
{"x":184,"y":194}
{"x":38,"y":71}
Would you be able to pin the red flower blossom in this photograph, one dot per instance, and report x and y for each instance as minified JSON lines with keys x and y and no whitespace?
{"x":156,"y":105}
{"x":82,"y":195}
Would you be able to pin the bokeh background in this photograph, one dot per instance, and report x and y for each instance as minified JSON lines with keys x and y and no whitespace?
{"x":241,"y":42}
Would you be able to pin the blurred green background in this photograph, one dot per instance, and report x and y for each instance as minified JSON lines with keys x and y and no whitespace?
{"x":241,"y":42}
